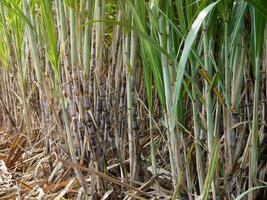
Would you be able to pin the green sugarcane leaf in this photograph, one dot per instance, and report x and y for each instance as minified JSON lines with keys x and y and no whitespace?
{"x":249,"y":190}
{"x":186,"y":51}
{"x":261,"y":6}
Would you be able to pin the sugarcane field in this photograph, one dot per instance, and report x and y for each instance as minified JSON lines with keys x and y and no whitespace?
{"x":133,"y":99}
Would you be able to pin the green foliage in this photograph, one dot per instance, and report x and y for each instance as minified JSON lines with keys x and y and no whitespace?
{"x":190,"y":73}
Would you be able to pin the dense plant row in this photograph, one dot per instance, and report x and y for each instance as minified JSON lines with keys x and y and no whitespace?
{"x":137,"y":89}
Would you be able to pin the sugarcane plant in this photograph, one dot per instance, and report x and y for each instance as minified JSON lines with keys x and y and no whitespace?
{"x":137,"y":99}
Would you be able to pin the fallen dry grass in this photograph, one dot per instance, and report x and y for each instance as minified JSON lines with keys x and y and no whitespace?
{"x":30,"y":173}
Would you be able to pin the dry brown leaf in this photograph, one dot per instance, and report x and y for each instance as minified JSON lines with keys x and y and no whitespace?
{"x":15,"y":151}
{"x":104,"y":176}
